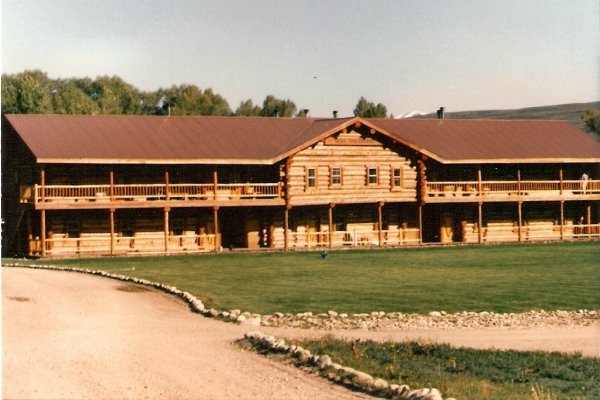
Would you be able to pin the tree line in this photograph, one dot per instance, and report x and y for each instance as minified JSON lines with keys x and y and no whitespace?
{"x":33,"y":92}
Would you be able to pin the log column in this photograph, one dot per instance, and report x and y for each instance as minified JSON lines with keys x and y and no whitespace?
{"x":560,"y":176}
{"x":330,"y":224}
{"x":588,"y":228}
{"x":215,"y":182}
{"x":111,"y":180}
{"x":380,"y":222}
{"x":286,"y":227}
{"x":216,"y":224}
{"x":562,"y":219}
{"x":112,"y":230}
{"x":479,"y":221}
{"x":420,"y":224}
{"x":43,"y":231}
{"x":520,"y":219}
{"x":43,"y":184}
{"x":167,"y":188}
{"x":166,"y":226}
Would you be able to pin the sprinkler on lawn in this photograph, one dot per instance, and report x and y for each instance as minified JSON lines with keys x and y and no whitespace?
{"x":324,"y":254}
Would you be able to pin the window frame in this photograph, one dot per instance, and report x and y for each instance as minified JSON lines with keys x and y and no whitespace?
{"x":399,"y":178}
{"x":332,"y":177}
{"x":308,"y":178}
{"x":369,"y":176}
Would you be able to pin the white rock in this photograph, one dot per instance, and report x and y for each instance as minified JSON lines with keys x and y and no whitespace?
{"x":240,"y":318}
{"x":380,"y":384}
{"x":332,"y":313}
{"x":250,"y":321}
{"x":324,"y":362}
{"x":435,"y":314}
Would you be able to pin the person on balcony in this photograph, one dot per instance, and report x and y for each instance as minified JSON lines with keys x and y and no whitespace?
{"x":584,"y":182}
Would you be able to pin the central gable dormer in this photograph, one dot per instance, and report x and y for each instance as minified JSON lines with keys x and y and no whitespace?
{"x":352,"y":163}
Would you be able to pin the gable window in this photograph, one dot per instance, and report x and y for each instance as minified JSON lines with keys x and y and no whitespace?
{"x":397,"y":181}
{"x":372,"y":176}
{"x":336,"y":176}
{"x":311,"y":178}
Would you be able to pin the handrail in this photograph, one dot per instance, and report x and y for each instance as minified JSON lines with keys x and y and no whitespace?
{"x":508,"y":188}
{"x":353,"y":238}
{"x":158,"y":191}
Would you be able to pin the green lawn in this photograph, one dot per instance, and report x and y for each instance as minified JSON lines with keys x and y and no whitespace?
{"x":466,"y":373}
{"x":502,"y":278}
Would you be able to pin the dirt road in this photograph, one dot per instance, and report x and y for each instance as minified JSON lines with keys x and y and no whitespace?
{"x":70,"y":335}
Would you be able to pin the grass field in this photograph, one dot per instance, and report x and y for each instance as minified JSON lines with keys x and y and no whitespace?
{"x":502,"y":278}
{"x":466,"y":373}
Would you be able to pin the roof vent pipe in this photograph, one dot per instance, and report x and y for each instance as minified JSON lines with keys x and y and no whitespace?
{"x":335,"y":113}
{"x":440,"y":113}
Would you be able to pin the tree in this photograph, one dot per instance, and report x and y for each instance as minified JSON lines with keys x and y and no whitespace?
{"x":274,"y":107}
{"x":26,"y":93}
{"x":591,"y":118}
{"x":248,"y":109}
{"x":68,"y":98}
{"x":368,"y":109}
{"x":115,"y":96}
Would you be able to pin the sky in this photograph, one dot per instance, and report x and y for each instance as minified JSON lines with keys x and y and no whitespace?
{"x":322,"y":54}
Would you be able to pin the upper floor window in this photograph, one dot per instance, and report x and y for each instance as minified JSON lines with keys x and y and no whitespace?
{"x":397,"y":178}
{"x":311,"y":178}
{"x":372,"y":176}
{"x":336,"y":176}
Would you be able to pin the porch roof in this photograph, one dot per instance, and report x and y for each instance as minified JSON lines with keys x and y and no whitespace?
{"x":129,"y":139}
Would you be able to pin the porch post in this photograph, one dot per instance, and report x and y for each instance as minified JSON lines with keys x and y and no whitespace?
{"x":380,"y":222}
{"x":29,"y":235}
{"x":111,"y":179}
{"x":560,"y":175}
{"x":479,"y":183}
{"x":216,"y":224}
{"x":588,"y":228}
{"x":112,"y":231}
{"x":215,"y":182}
{"x":43,"y":231}
{"x":420,"y":224}
{"x":330,"y":224}
{"x":166,"y":210}
{"x":519,"y":182}
{"x":519,"y":219}
{"x":43,"y":184}
{"x":479,"y":219}
{"x":286,"y":227}
{"x":167,"y":188}
{"x":562,"y":219}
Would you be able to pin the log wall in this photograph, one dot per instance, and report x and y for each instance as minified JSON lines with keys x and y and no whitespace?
{"x":354,"y":160}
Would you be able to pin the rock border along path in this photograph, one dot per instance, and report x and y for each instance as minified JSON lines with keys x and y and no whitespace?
{"x":375,"y":321}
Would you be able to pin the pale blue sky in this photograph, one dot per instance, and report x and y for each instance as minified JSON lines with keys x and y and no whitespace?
{"x":406,"y":54}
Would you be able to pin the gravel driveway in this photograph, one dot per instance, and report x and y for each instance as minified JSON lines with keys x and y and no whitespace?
{"x":70,"y":335}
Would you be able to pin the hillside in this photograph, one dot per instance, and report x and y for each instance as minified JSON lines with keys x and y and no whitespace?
{"x":570,"y":112}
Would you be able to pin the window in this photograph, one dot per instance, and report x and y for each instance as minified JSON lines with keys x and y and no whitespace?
{"x":336,"y":176}
{"x":372,"y":176}
{"x":73,"y":229}
{"x":397,"y":177}
{"x":311,"y":178}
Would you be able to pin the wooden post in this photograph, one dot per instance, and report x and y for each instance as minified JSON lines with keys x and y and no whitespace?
{"x":330,"y":224}
{"x":560,"y":176}
{"x":112,"y":230}
{"x":215,"y":183}
{"x":420,"y":224}
{"x":111,"y":179}
{"x":380,"y":222}
{"x":29,"y":235}
{"x":167,"y":209}
{"x":167,"y":188}
{"x":479,"y":183}
{"x":562,"y":219}
{"x":43,"y":231}
{"x":286,"y":227}
{"x":216,"y":224}
{"x":43,"y":184}
{"x":519,"y":219}
{"x":519,"y":182}
{"x":588,"y":228}
{"x":479,"y":220}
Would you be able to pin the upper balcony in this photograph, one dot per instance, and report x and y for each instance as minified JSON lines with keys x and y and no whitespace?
{"x":498,"y":191}
{"x":152,"y":195}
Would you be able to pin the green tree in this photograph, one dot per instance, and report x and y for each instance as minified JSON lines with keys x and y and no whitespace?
{"x":115,"y":96}
{"x":367,"y":109}
{"x":26,"y":93}
{"x":248,"y":109}
{"x":274,"y":107}
{"x":69,"y":98}
{"x":591,"y":118}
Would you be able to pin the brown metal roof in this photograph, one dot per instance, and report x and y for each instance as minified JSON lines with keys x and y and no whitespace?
{"x":485,"y":141}
{"x":255,"y":140}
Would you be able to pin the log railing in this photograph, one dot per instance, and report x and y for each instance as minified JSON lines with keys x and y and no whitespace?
{"x":150,"y":192}
{"x":354,"y":238}
{"x":512,"y":188}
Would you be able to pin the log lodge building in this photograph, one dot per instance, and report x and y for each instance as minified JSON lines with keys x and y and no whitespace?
{"x":123,"y":185}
